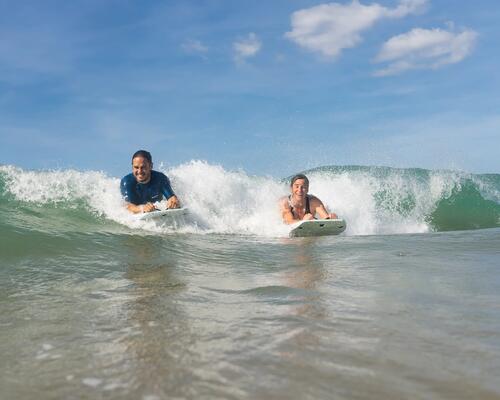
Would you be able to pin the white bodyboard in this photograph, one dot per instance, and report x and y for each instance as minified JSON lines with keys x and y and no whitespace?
{"x":170,"y":214}
{"x":318,"y":227}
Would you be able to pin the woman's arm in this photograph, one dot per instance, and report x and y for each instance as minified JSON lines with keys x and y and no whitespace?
{"x":286,"y":212}
{"x":319,"y":208}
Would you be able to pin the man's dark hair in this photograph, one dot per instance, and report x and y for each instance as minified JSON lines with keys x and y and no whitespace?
{"x":144,"y":154}
{"x":299,"y":176}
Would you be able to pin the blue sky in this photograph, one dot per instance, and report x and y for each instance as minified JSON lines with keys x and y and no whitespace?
{"x":268,"y":87}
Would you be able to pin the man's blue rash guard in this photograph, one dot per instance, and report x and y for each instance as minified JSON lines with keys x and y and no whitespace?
{"x":142,"y":193}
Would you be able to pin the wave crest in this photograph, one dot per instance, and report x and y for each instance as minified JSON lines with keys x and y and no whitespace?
{"x":373,"y":200}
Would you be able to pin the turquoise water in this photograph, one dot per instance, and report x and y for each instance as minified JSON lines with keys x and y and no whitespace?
{"x":94,"y":304}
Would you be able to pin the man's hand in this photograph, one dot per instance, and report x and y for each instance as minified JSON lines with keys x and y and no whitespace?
{"x":141,"y":208}
{"x":173,"y":202}
{"x":148,"y":207}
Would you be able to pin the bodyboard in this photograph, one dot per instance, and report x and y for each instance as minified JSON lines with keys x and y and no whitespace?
{"x":164,"y":215}
{"x":318,"y":227}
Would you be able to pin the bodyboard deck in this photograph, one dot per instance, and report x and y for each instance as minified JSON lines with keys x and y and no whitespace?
{"x":164,"y":215}
{"x":318,"y":227}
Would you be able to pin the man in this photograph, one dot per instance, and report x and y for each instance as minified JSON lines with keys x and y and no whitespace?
{"x":143,"y":186}
{"x":301,"y":206}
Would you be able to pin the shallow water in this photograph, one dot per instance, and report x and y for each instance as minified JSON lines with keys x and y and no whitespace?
{"x":404,"y":304}
{"x":142,"y":316}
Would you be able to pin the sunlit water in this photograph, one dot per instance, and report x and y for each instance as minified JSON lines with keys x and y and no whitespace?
{"x":147,"y":317}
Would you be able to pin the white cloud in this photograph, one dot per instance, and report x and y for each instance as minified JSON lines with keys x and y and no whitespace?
{"x":406,"y":7}
{"x":247,"y":47}
{"x":423,"y":49}
{"x":330,"y":28}
{"x":194,"y":47}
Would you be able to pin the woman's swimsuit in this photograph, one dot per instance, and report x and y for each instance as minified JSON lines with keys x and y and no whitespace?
{"x":307,"y":209}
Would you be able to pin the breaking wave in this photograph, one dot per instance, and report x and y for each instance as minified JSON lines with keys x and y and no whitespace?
{"x":373,"y":200}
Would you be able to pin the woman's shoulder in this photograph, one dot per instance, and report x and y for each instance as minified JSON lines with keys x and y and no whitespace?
{"x":284,"y":201}
{"x":314,"y":200}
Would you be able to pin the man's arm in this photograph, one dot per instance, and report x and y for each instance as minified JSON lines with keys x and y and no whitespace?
{"x":173,"y":202}
{"x":141,"y":208}
{"x":127,"y":196}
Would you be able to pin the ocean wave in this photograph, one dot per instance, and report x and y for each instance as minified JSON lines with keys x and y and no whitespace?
{"x":373,"y":200}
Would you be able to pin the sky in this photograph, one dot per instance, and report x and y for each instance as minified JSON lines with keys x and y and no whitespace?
{"x":269,"y":88}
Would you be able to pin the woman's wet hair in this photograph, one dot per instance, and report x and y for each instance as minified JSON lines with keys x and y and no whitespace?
{"x":299,"y":176}
{"x":144,"y":154}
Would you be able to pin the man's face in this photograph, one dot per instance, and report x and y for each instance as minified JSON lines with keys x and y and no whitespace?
{"x":300,"y":188}
{"x":141,"y":168}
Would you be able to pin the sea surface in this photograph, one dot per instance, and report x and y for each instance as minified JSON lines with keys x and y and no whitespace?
{"x":405,"y":304}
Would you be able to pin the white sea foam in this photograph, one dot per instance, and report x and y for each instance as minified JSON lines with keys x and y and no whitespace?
{"x":232,"y":202}
{"x":92,"y":382}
